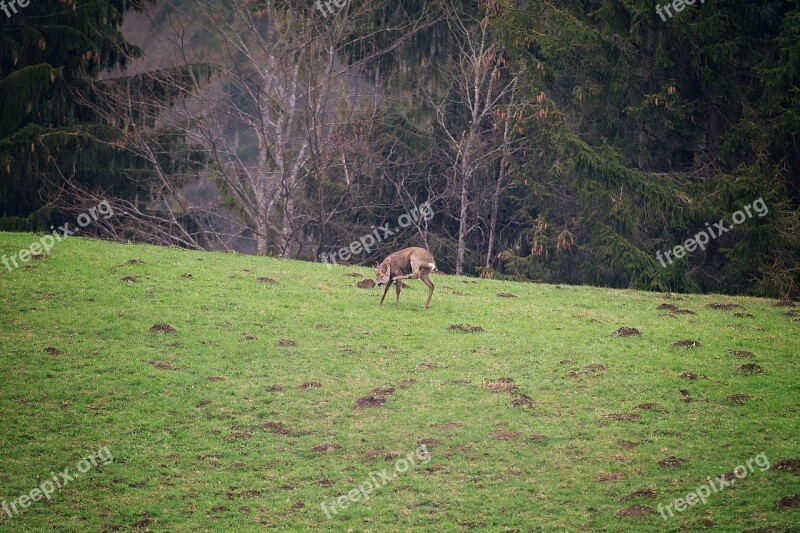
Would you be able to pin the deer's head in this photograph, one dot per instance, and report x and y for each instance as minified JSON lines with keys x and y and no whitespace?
{"x":382,"y":274}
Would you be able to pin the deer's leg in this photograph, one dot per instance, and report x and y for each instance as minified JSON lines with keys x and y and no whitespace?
{"x":427,"y":281}
{"x":386,"y":289}
{"x":397,"y":286}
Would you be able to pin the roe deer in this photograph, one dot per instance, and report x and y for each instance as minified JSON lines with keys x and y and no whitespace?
{"x":410,"y":263}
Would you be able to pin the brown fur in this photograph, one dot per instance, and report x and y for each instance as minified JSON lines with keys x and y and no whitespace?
{"x":410,"y":263}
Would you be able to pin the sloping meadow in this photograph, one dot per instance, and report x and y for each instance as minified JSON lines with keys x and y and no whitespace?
{"x":232,"y":391}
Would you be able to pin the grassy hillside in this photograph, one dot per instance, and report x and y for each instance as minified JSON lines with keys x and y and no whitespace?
{"x":284,"y":386}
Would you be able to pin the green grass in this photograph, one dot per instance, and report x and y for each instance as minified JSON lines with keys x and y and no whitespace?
{"x":191,"y":454}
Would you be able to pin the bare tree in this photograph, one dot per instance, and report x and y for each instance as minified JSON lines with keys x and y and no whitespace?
{"x":480,"y":85}
{"x":277,"y":101}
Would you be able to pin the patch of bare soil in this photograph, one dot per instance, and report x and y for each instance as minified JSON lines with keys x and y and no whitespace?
{"x":613,"y":476}
{"x":203,"y":403}
{"x":522,"y":400}
{"x":428,"y":365}
{"x":370,"y":401}
{"x":636,"y":511}
{"x":403,"y":383}
{"x":724,"y":307}
{"x":671,"y":462}
{"x":503,"y":435}
{"x":743,"y":354}
{"x":739,"y":399}
{"x":383,"y":391}
{"x":648,"y":494}
{"x":538,"y":437}
{"x":219,"y":509}
{"x":448,"y":425}
{"x":354,"y":275}
{"x":186,"y":276}
{"x":647,"y":406}
{"x":627,"y":332}
{"x":686,"y":344}
{"x":784,"y":303}
{"x":792,"y":465}
{"x":267,"y":280}
{"x":129,"y":279}
{"x":751,"y":368}
{"x":213,"y":379}
{"x":622,"y":416}
{"x":744,"y":315}
{"x":429,"y":443}
{"x":366,"y":284}
{"x":235,"y":435}
{"x":674,"y":309}
{"x":628,"y":445}
{"x":502,"y":385}
{"x":789,"y":501}
{"x":285,"y":342}
{"x":685,"y":396}
{"x":310,"y":385}
{"x":324,"y":448}
{"x":506,"y":295}
{"x":276,"y":427}
{"x":373,"y":453}
{"x":467,"y":328}
{"x":691,"y":376}
{"x":161,"y":365}
{"x":162,"y":328}
{"x":52,"y":351}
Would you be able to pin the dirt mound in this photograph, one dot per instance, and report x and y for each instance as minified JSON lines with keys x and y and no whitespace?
{"x":52,"y":351}
{"x":636,"y":511}
{"x":129,"y":279}
{"x":162,"y":328}
{"x":687,"y":343}
{"x":627,"y":332}
{"x":370,"y":401}
{"x":310,"y":385}
{"x":628,"y":445}
{"x":467,"y":328}
{"x":161,"y":365}
{"x":448,"y":425}
{"x":502,"y":385}
{"x":691,"y":376}
{"x":366,"y":284}
{"x":724,"y":307}
{"x":671,"y":462}
{"x":792,"y":465}
{"x":648,"y":494}
{"x":503,"y":435}
{"x":276,"y":427}
{"x":522,"y":400}
{"x":324,"y":448}
{"x":186,"y":276}
{"x":751,"y":368}
{"x":790,"y":501}
{"x":739,"y":399}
